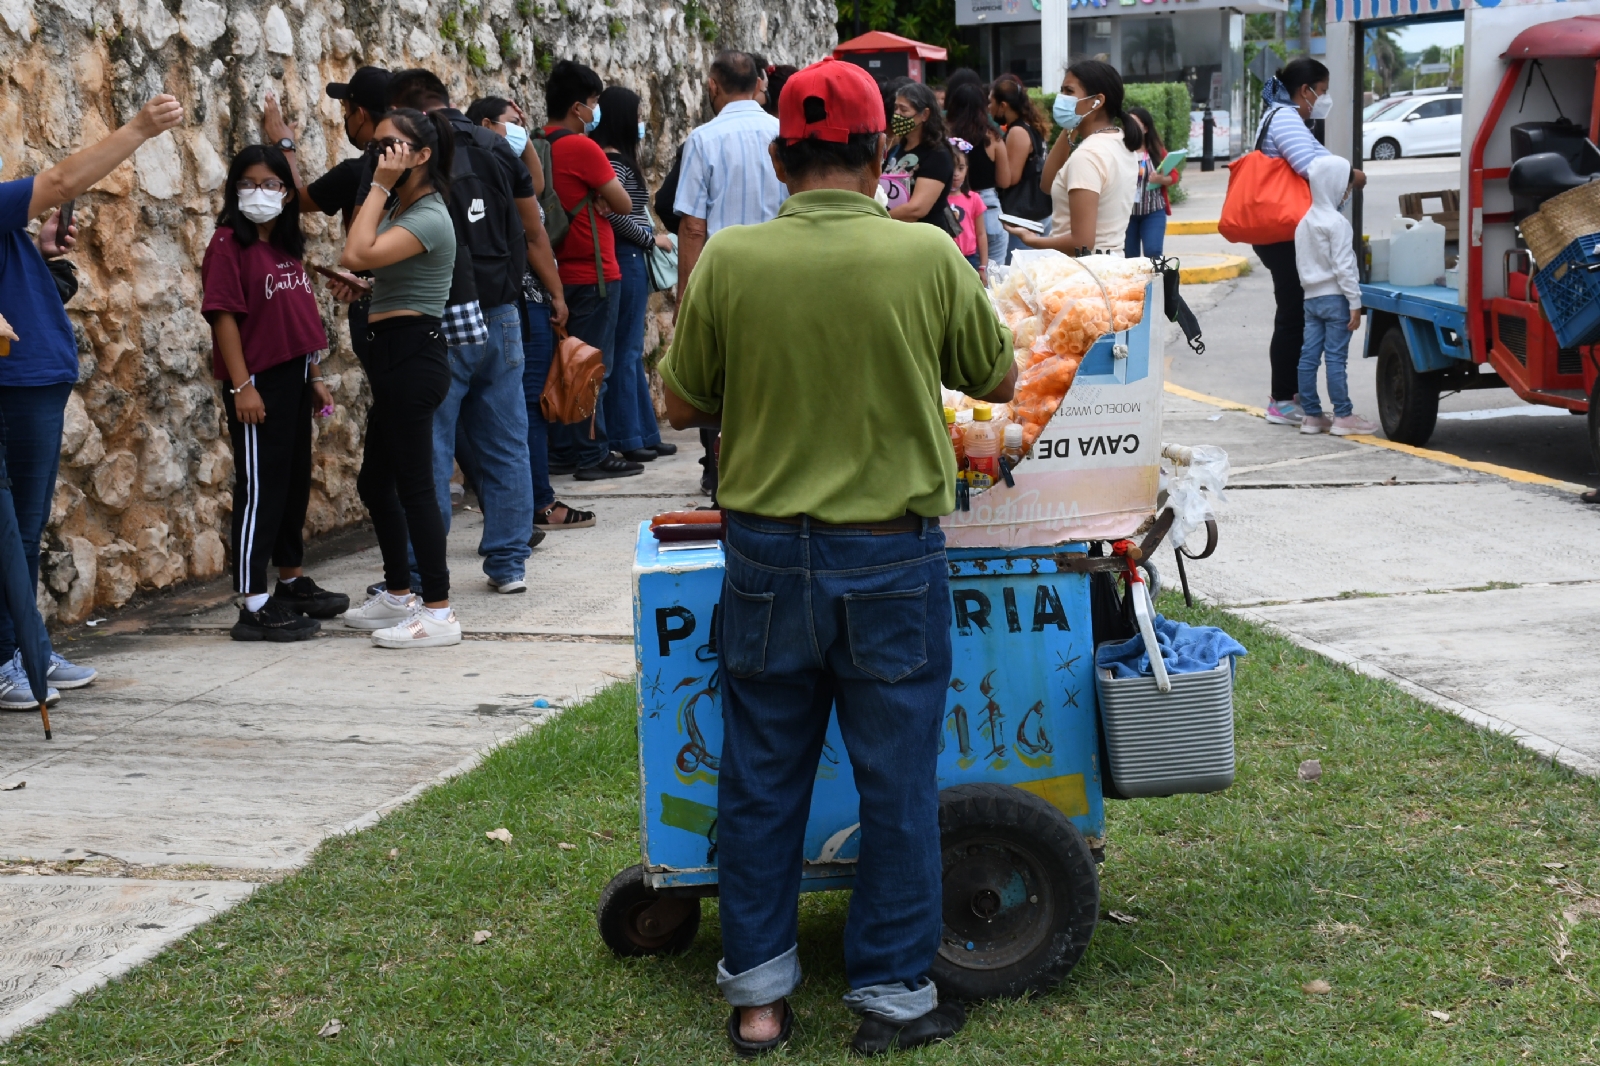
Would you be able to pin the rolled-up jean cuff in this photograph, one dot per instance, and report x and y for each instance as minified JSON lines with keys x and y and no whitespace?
{"x":763,"y":984}
{"x":894,"y":1001}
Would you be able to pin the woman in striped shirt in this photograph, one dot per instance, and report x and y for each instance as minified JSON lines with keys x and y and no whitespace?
{"x":630,"y":415}
{"x":1293,"y":98}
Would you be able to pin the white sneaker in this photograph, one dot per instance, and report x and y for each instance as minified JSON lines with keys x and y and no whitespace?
{"x":512,"y":586}
{"x":380,"y":612}
{"x":1353,"y":425}
{"x":420,"y":630}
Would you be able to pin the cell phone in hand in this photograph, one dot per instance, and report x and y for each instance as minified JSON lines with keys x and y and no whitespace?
{"x":349,"y":279}
{"x":66,"y":220}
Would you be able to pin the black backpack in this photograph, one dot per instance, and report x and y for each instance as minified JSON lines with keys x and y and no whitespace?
{"x":585,"y":204}
{"x":1025,"y":199}
{"x":482,"y":204}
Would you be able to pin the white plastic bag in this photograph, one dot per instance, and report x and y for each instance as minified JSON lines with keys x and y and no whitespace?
{"x":1194,"y":485}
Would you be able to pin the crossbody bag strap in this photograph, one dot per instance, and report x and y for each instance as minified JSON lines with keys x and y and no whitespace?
{"x":587,"y":204}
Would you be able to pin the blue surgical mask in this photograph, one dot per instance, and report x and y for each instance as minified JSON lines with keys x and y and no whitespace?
{"x":641,"y":131}
{"x":516,"y":137}
{"x":594,"y":119}
{"x":1065,"y":111}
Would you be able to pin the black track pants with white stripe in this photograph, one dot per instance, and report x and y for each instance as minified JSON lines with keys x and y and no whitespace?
{"x":271,"y":476}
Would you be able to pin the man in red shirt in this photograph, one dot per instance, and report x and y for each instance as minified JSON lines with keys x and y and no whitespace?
{"x":588,"y":189}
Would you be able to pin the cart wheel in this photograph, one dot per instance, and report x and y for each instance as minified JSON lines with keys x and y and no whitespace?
{"x":1021,"y":895}
{"x":1594,"y":423}
{"x":635,"y":919}
{"x":1408,"y":402}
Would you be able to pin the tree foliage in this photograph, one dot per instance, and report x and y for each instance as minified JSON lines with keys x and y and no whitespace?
{"x":929,"y":21}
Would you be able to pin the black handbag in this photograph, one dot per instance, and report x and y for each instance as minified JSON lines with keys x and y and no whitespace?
{"x":1026,"y":199}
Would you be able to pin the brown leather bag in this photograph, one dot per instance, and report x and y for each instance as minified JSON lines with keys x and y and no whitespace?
{"x":572,"y":388}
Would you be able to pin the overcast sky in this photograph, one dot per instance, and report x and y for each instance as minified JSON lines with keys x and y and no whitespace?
{"x":1418,"y":37}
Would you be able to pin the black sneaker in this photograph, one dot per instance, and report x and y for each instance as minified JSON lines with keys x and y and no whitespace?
{"x":275,"y":623}
{"x":562,"y":468}
{"x":640,"y":455}
{"x":610,"y":466}
{"x":663,"y":448}
{"x":877,"y":1035}
{"x":537,"y":538}
{"x":303,"y":596}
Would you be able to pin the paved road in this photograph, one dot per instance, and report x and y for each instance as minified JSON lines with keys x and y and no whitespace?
{"x":1487,"y":425}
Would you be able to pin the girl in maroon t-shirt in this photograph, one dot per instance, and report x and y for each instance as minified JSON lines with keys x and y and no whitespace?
{"x":266,"y":332}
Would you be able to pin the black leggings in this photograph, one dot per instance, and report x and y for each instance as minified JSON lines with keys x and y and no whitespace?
{"x":1289,"y":324}
{"x":409,"y":372}
{"x":271,"y":475}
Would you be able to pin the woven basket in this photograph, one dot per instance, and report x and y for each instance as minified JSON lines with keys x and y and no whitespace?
{"x":1562,"y":220}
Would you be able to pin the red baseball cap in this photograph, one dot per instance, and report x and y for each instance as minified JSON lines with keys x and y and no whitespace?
{"x":830,"y":101}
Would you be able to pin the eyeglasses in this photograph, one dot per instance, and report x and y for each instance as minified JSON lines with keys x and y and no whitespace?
{"x":386,"y":143}
{"x":271,"y":185}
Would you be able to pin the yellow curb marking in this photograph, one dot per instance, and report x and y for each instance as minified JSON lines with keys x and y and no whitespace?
{"x":1522,"y":477}
{"x":1191,"y":226}
{"x":1213,"y":267}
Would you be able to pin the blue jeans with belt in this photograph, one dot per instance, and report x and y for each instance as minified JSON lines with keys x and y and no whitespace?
{"x":814,"y":618}
{"x":630,"y":416}
{"x":30,"y":432}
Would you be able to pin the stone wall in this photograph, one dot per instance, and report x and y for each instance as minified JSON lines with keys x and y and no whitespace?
{"x":145,"y":497}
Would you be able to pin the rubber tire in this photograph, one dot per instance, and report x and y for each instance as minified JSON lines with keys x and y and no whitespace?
{"x":1391,"y":144}
{"x":1014,"y":827}
{"x":1408,"y":401}
{"x":1594,"y":424}
{"x":622,"y":900}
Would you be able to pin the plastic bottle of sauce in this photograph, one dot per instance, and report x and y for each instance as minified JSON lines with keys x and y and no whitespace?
{"x":1012,"y":447}
{"x":963,"y":424}
{"x":983,"y":446}
{"x":956,"y":442}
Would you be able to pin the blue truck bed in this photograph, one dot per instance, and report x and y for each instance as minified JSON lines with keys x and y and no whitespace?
{"x":1432,"y":316}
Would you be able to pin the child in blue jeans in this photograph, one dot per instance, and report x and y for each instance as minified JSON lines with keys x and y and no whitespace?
{"x":1325,"y":255}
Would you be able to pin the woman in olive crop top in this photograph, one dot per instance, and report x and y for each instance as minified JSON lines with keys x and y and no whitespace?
{"x":410,"y":248}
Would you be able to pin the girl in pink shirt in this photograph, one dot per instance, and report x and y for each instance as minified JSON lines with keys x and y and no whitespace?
{"x":968,"y":208}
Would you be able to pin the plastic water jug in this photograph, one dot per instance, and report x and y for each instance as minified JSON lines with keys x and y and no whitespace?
{"x":1416,"y":252}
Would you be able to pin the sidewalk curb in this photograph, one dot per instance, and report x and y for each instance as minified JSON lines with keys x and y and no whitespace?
{"x":1521,"y":477}
{"x":1215,"y":266}
{"x":1190,"y":226}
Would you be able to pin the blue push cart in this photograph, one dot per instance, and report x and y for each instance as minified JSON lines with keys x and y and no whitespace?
{"x":1022,"y":769}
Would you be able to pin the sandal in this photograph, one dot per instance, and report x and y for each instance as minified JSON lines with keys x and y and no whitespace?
{"x":749,"y":1049}
{"x":575,"y":519}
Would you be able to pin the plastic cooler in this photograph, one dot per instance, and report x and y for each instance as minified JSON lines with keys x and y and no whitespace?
{"x":1569,"y":289}
{"x":1020,"y":709}
{"x":1166,"y":743}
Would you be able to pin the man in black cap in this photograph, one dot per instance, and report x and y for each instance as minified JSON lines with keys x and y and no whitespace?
{"x":366,"y":98}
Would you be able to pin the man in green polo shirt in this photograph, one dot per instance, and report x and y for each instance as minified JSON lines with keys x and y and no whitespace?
{"x":818,"y":342}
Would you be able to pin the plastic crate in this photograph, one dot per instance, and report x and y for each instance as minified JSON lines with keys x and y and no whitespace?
{"x":1569,"y":289}
{"x":1166,"y":743}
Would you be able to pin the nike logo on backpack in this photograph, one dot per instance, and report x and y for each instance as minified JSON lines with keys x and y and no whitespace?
{"x":476,"y":212}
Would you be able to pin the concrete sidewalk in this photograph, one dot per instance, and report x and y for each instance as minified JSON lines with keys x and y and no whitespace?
{"x":196,"y":757}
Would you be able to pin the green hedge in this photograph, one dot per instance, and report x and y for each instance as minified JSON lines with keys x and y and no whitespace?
{"x":1168,"y":101}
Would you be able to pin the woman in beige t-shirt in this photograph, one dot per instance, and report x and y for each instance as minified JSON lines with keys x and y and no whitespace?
{"x":1094,"y":187}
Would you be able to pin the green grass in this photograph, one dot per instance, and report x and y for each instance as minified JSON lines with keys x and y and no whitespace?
{"x":1409,"y":878}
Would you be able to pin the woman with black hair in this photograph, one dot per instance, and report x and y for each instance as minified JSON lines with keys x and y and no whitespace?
{"x":1020,"y":192}
{"x":411,"y":251}
{"x":1294,"y":97}
{"x":630,"y":415}
{"x":988,"y":164}
{"x":1147,"y":228}
{"x":1091,"y":172}
{"x":777,"y":77}
{"x":921,"y":151}
{"x":266,"y":335}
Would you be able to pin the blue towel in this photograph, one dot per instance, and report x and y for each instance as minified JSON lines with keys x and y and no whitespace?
{"x":1185,"y":649}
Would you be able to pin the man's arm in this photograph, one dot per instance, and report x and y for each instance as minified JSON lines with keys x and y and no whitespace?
{"x":691,"y":242}
{"x":1005,"y":390}
{"x":682,"y":414}
{"x":276,"y":129}
{"x":72,"y":177}
{"x":542,"y":258}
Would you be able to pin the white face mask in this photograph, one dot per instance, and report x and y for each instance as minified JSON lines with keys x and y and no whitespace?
{"x":516,"y":137}
{"x":260,"y":205}
{"x":1323,"y":107}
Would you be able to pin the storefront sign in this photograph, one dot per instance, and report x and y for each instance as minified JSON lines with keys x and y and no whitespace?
{"x":987,"y":12}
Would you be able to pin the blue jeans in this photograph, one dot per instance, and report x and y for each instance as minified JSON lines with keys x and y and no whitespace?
{"x":30,"y":431}
{"x":593,"y":319}
{"x":1327,"y":322}
{"x":486,"y":400}
{"x":538,"y":345}
{"x":1147,"y":234}
{"x":630,"y":416}
{"x":811,"y":619}
{"x":1015,"y":243}
{"x":998,"y":237}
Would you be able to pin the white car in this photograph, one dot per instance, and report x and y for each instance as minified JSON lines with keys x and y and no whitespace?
{"x":1421,"y":125}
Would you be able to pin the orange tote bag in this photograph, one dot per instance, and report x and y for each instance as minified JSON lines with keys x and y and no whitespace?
{"x":1266,"y":199}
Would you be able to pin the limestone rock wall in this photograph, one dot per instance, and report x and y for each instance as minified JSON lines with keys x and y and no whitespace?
{"x":145,"y":493}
